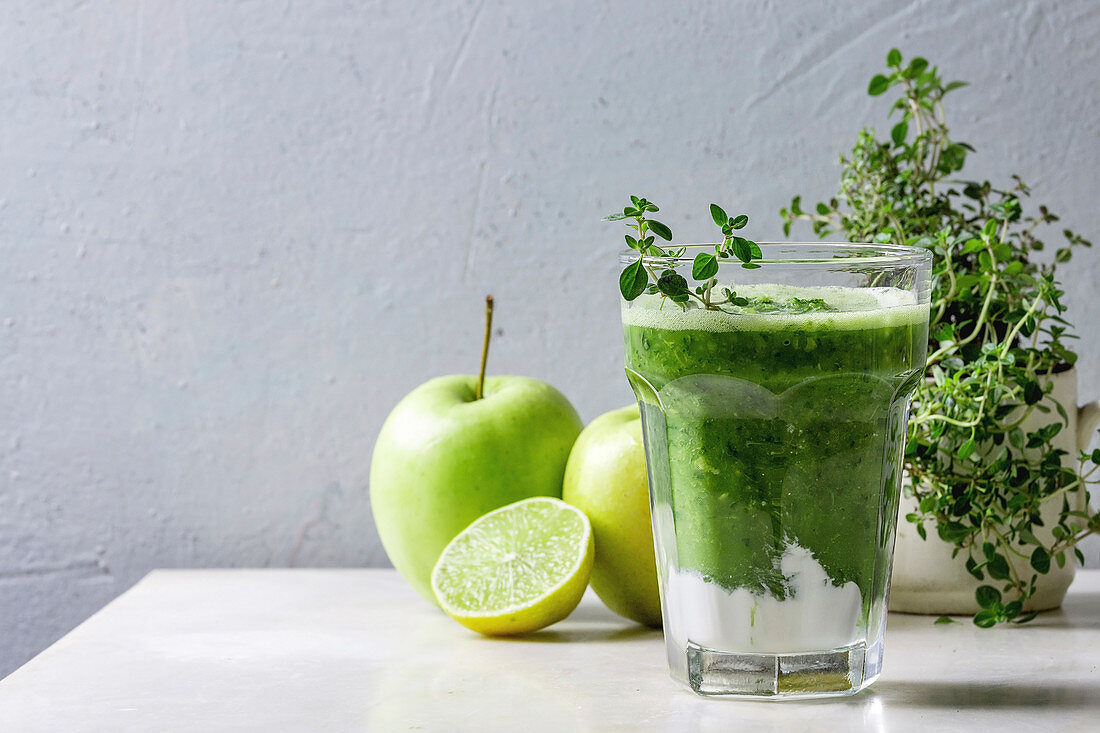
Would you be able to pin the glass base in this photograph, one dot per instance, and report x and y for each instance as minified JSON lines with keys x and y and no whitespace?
{"x":843,"y":671}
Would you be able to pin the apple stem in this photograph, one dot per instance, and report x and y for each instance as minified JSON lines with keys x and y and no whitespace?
{"x":485,"y":347}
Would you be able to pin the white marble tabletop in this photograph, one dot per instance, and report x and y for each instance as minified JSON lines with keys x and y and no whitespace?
{"x":358,"y":650}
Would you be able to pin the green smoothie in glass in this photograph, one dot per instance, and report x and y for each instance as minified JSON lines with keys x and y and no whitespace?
{"x":774,"y":432}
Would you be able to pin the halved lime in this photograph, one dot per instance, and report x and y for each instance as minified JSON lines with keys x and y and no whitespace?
{"x":516,"y":569}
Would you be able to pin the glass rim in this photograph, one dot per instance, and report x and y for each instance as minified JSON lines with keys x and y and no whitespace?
{"x":861,"y":253}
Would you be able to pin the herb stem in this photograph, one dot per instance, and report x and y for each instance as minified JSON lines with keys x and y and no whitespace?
{"x":944,"y":418}
{"x":952,"y":290}
{"x":978,"y":324}
{"x":1011,"y":337}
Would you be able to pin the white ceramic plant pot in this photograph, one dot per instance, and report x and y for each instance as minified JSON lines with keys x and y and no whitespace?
{"x":926,"y":579}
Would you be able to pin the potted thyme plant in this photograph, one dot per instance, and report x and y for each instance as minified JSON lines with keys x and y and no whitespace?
{"x":997,"y":498}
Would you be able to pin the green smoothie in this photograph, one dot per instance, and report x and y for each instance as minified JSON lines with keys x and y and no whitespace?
{"x":780,"y":424}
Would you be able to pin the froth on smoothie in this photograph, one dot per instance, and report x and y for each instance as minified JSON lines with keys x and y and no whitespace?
{"x":855,"y":308}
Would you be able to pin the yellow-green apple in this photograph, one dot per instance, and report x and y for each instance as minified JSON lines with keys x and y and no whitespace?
{"x":606,"y":479}
{"x":451,"y":451}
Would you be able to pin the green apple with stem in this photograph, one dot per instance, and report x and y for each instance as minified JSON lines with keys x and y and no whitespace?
{"x":606,"y":479}
{"x":457,"y":447}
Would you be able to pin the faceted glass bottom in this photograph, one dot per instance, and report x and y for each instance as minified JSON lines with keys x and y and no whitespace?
{"x":834,"y":672}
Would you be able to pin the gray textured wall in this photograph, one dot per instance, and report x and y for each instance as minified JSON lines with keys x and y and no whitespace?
{"x":232,"y":235}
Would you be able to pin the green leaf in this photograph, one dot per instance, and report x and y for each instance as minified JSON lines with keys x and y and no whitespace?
{"x":952,"y":158}
{"x":705,"y":266}
{"x":615,"y":217}
{"x":739,"y":221}
{"x":741,"y":249}
{"x":973,"y":245}
{"x":673,"y":285}
{"x":1028,"y":536}
{"x":893,"y":58}
{"x":1032,"y":393}
{"x":718,"y":215}
{"x":966,"y":450}
{"x":944,"y":620}
{"x":633,"y":280}
{"x":987,"y":596}
{"x":898,"y":133}
{"x":916,"y":66}
{"x":998,"y":567}
{"x":660,"y":230}
{"x":878,"y":85}
{"x":952,"y":532}
{"x":631,"y":242}
{"x":985,"y":619}
{"x":1040,"y":560}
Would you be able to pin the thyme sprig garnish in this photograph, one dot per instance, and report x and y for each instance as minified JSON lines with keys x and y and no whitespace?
{"x":998,"y":332}
{"x":650,"y":274}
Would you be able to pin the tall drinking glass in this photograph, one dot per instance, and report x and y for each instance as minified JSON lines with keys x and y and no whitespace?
{"x":774,"y":423}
